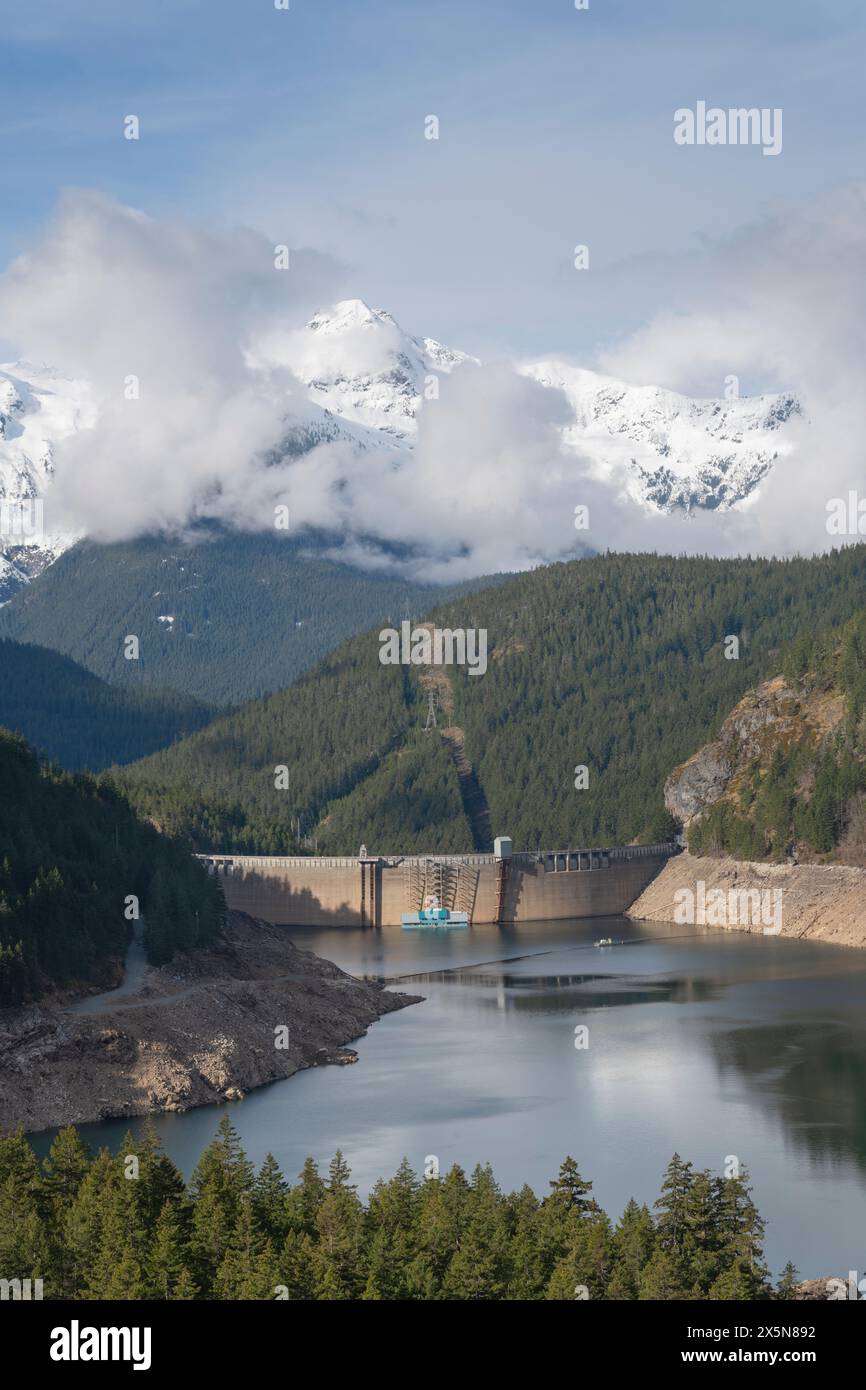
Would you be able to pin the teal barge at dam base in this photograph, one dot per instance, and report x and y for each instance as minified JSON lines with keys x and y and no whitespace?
{"x":377,"y":890}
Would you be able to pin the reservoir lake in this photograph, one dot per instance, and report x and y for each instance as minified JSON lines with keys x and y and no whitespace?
{"x":710,"y":1043}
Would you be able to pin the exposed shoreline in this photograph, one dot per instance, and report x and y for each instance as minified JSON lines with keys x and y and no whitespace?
{"x":198,"y":1031}
{"x":820,"y":902}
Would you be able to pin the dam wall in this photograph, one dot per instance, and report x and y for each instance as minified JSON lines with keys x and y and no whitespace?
{"x":375,"y":891}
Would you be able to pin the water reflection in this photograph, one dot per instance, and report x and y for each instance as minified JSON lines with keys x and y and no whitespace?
{"x":812,"y":1074}
{"x":712,"y":1043}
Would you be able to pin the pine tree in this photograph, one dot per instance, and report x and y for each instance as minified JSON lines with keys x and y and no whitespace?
{"x":741,"y":1232}
{"x":661,"y":1278}
{"x":296,"y":1266}
{"x":529,"y":1269}
{"x":586,"y":1264}
{"x":270,"y":1204}
{"x":64,"y":1168}
{"x":787,"y":1285}
{"x":569,"y":1190}
{"x":82,"y":1222}
{"x":633,"y":1244}
{"x":391,"y":1213}
{"x":248,"y":1268}
{"x":479,"y":1268}
{"x":168,"y":1254}
{"x":116,"y":1271}
{"x":305,"y":1198}
{"x":25,"y":1248}
{"x":159,"y":1180}
{"x":339,"y":1225}
{"x":702,"y":1236}
{"x":673,"y":1205}
{"x":223,"y":1176}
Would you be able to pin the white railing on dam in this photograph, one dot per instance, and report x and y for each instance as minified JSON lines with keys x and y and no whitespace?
{"x":552,"y":861}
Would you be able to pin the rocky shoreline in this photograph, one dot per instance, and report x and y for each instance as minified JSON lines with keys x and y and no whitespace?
{"x":203,"y":1029}
{"x":819,"y":902}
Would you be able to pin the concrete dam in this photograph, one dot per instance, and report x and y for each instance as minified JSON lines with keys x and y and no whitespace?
{"x":374,"y":890}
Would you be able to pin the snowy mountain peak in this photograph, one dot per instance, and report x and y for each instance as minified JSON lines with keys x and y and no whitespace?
{"x":366,"y":380}
{"x":677,"y":452}
{"x":349,"y":314}
{"x":360,"y":365}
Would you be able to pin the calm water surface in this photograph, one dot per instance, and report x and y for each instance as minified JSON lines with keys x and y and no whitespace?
{"x":710,"y":1043}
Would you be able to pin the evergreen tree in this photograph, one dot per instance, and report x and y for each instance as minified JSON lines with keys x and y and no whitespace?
{"x":339,"y":1226}
{"x":661,"y":1279}
{"x":270,"y":1201}
{"x":90,"y":1230}
{"x":586,"y":1264}
{"x":305,"y":1199}
{"x":569,"y":1190}
{"x":530,"y":1270}
{"x":248,"y":1268}
{"x":222,"y":1177}
{"x":479,"y":1268}
{"x":169,"y":1253}
{"x":787,"y":1285}
{"x":673,"y":1206}
{"x":633,"y":1244}
{"x":116,"y":1270}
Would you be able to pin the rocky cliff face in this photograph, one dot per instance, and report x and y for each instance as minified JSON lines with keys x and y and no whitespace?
{"x":773,"y":715}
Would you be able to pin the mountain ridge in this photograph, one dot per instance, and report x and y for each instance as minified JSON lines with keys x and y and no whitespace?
{"x":615,"y":663}
{"x":366,"y":384}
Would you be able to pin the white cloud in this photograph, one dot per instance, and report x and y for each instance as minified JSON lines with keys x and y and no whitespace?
{"x":782,"y":305}
{"x":109,"y":295}
{"x":202,"y":318}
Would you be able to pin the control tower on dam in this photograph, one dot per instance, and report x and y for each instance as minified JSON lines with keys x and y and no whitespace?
{"x":375,"y":890}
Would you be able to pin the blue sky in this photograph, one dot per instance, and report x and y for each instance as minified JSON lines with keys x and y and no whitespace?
{"x":556,"y":128}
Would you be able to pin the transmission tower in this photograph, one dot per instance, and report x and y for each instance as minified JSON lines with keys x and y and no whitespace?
{"x":432,"y":703}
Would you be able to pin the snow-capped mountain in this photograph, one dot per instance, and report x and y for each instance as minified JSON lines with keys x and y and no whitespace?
{"x":359,"y":365}
{"x":38,"y":410}
{"x":366,"y":383}
{"x":677,"y":452}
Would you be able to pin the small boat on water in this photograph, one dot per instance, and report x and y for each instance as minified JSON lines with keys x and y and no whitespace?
{"x":433,"y":915}
{"x":606,"y":941}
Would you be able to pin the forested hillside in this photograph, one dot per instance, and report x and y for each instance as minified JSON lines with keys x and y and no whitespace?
{"x":79,"y":720}
{"x":352,"y":724}
{"x":225,"y":620}
{"x":616,"y":663}
{"x":232,"y":1233}
{"x":71,"y":853}
{"x":797,"y":779}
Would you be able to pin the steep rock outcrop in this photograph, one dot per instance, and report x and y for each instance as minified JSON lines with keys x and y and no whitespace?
{"x":772,"y":715}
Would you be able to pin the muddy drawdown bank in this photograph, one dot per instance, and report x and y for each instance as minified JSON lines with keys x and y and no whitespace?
{"x":203,"y":1029}
{"x":817,"y":902}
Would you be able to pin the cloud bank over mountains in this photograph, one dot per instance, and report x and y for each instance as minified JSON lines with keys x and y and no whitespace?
{"x":221,"y":386}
